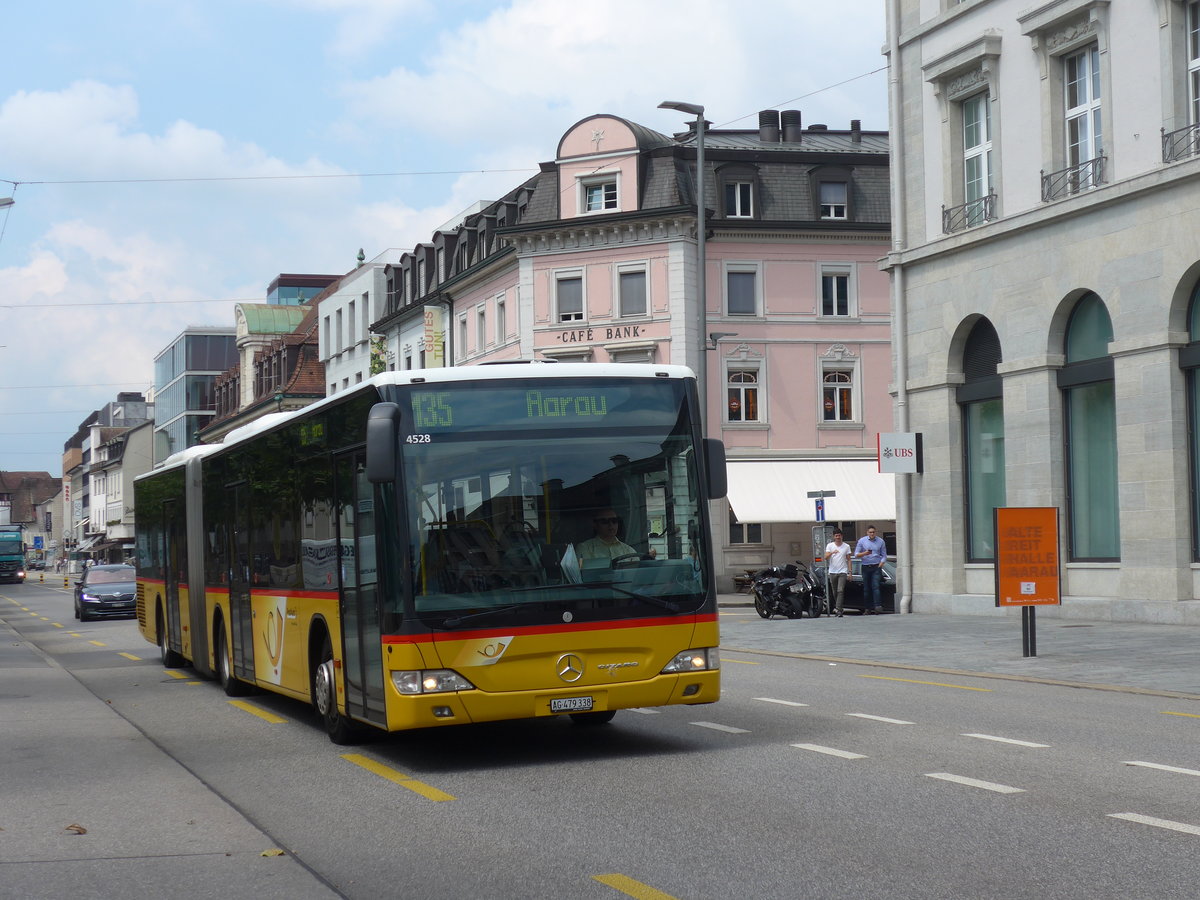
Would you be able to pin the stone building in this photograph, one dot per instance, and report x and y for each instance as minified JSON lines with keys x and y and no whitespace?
{"x":1047,"y":312}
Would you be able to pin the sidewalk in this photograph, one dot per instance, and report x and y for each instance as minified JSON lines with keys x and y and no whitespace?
{"x":1156,"y":658}
{"x":91,"y":809}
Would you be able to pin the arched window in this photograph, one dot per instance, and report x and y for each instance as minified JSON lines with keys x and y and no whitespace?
{"x":1189,"y":361}
{"x":837,"y":400}
{"x":980,"y":400}
{"x":1089,"y":405}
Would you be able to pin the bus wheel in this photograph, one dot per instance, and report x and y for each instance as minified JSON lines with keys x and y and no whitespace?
{"x":170,"y":659}
{"x":593,"y":718}
{"x":231,"y":684}
{"x":324,"y":691}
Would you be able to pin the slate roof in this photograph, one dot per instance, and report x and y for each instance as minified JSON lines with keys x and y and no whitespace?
{"x":27,"y":490}
{"x":783,"y":168}
{"x":841,"y":142}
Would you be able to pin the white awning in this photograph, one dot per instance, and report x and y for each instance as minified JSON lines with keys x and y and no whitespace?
{"x":777,"y":491}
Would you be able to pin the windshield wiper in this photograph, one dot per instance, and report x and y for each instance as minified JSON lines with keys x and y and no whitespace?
{"x":669,"y":605}
{"x":455,"y":621}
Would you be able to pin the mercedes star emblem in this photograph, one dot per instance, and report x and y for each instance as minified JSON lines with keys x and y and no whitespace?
{"x":569,"y":667}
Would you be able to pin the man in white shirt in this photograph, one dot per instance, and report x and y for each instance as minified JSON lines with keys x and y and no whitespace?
{"x":837,"y":556}
{"x":606,"y":544}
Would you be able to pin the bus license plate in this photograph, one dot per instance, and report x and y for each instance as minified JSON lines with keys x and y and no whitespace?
{"x":570,"y":704}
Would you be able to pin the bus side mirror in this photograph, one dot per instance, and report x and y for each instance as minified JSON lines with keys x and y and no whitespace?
{"x":714,"y":455}
{"x":382,"y":428}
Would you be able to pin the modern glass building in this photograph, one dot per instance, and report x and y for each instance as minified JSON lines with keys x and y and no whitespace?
{"x":184,"y":374}
{"x":296,"y":290}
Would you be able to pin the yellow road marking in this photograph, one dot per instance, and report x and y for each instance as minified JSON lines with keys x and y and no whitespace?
{"x":961,"y":687}
{"x":98,"y":643}
{"x":418,"y":787}
{"x":744,"y":662}
{"x":1188,"y":715}
{"x":130,"y":656}
{"x":258,"y":711}
{"x":628,"y":886}
{"x":58,"y":625}
{"x":174,"y":674}
{"x":31,"y":612}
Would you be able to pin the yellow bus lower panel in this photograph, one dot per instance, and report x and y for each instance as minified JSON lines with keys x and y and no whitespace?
{"x":431,"y":710}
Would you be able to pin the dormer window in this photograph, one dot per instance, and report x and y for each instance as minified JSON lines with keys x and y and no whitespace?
{"x":832,"y":196}
{"x":598,"y":194}
{"x":739,"y":199}
{"x":833,"y":199}
{"x":739,"y":190}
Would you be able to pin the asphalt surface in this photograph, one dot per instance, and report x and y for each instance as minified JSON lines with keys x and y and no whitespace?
{"x":137,"y":845}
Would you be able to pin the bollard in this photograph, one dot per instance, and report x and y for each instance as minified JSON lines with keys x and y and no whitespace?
{"x":65,"y":578}
{"x":41,"y":577}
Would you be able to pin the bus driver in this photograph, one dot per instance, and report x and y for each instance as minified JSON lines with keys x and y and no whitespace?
{"x":605,"y":545}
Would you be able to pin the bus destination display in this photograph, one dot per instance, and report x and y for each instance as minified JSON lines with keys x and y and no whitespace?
{"x":470,"y":408}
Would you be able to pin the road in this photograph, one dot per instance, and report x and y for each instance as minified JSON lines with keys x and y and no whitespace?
{"x":808,"y":779}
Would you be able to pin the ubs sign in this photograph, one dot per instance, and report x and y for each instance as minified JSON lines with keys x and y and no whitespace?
{"x":900,"y":453}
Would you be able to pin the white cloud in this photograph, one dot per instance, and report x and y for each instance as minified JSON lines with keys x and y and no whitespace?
{"x":543,"y":63}
{"x":87,"y":130}
{"x":362,"y":24}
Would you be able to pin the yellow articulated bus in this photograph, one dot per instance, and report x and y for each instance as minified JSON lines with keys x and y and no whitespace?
{"x":446,"y":546}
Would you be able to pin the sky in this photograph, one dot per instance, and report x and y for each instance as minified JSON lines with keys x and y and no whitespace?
{"x":168,"y":158}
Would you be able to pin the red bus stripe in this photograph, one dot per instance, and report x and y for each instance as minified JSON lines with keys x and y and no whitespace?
{"x":547,"y":629}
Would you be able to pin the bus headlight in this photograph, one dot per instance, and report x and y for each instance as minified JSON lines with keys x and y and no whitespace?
{"x":430,"y":681}
{"x":693,"y":661}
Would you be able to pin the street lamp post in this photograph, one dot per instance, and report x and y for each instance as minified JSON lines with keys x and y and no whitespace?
{"x":697,"y":110}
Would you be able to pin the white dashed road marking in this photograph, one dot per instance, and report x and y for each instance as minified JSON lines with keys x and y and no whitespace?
{"x":829,"y":751}
{"x":1004,"y":740}
{"x":780,"y":702}
{"x":716,"y":727}
{"x":1157,"y":823}
{"x":879,"y":719}
{"x":1176,"y":769}
{"x":975,"y":782}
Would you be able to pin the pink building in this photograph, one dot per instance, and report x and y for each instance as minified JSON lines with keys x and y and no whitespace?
{"x":595,"y":259}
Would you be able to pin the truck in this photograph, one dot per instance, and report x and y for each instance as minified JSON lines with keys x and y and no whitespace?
{"x":12,"y":554}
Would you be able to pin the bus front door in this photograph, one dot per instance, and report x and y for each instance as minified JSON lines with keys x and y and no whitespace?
{"x":362,"y":659}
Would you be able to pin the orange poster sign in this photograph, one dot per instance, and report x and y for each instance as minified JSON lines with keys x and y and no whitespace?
{"x":1027,"y":572}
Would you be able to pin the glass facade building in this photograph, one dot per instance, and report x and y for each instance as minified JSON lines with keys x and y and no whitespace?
{"x":184,"y":374}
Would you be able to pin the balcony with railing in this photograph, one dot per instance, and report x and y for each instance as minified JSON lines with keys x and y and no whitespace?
{"x":1073,"y":179}
{"x":1181,"y":143}
{"x":968,"y":215}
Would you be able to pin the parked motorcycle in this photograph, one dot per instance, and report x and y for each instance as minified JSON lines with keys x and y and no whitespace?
{"x":789,"y":591}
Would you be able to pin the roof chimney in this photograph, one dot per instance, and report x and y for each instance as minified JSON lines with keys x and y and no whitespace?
{"x":856,"y":131}
{"x":792,"y":127}
{"x":818,"y":127}
{"x":768,"y":126}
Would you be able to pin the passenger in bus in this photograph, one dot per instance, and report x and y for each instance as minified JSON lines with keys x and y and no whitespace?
{"x":605,"y":545}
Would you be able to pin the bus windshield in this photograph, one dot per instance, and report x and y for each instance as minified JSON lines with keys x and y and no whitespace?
{"x":577,"y":504}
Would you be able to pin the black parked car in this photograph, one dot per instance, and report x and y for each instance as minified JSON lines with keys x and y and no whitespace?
{"x":106,"y":592}
{"x":854,"y":588}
